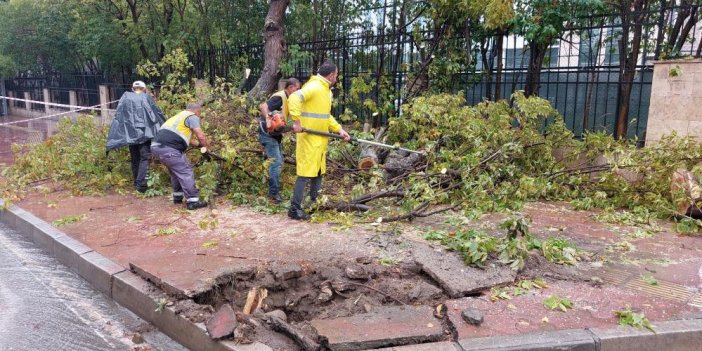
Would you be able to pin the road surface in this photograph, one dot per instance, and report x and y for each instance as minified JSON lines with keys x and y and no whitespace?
{"x":45,"y":306}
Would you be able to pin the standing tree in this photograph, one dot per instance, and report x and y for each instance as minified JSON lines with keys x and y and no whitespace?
{"x":541,"y":22}
{"x":632,"y":14}
{"x":275,"y":48}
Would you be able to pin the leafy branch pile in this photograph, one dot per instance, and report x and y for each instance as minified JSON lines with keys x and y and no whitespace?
{"x":494,"y":156}
{"x":498,"y":155}
{"x":513,"y":248}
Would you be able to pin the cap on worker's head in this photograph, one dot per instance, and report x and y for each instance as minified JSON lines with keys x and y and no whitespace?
{"x":194,"y":106}
{"x":139,"y":84}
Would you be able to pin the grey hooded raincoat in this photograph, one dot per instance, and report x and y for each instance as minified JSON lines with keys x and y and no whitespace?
{"x":137,"y":121}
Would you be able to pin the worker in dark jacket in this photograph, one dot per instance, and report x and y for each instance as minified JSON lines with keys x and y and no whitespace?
{"x":135,"y":124}
{"x":169,"y":147}
{"x":270,"y":134}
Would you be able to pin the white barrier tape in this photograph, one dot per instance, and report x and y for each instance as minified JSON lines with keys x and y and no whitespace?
{"x":59,"y":105}
{"x":80,"y":108}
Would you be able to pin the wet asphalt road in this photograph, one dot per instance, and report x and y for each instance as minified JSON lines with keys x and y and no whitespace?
{"x":45,"y":306}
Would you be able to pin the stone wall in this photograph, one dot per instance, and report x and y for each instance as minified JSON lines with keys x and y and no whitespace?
{"x":676,"y":100}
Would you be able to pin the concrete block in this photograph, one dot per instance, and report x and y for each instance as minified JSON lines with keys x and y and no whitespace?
{"x":67,"y":250}
{"x":98,"y":270}
{"x":45,"y":235}
{"x":384,"y":326}
{"x":24,"y":221}
{"x":141,"y":297}
{"x":561,"y":340}
{"x":136,"y":294}
{"x":8,"y":217}
{"x":684,"y":335}
{"x":434,"y":346}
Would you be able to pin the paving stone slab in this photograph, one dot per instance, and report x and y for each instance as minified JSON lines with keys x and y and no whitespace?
{"x":561,"y":340}
{"x":385,"y":326}
{"x":434,"y":346}
{"x":684,"y":335}
{"x":449,"y":270}
{"x":186,"y":278}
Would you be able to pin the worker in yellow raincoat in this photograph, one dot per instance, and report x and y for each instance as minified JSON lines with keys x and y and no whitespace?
{"x":310,"y":108}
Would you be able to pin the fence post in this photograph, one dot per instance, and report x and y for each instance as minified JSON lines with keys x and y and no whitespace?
{"x":27,"y":104}
{"x":72,"y":99}
{"x":104,"y":92}
{"x":12,"y":102}
{"x":3,"y":102}
{"x":47,"y":100}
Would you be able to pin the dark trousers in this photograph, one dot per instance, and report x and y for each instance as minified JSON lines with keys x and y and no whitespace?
{"x":140,"y":154}
{"x":299,"y":190}
{"x":182,"y":177}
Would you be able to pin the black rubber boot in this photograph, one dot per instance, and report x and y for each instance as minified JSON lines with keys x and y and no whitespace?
{"x":194,"y":205}
{"x":177,"y":199}
{"x":298,"y":214}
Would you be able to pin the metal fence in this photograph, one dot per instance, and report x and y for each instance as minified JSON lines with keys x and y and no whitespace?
{"x":580,"y":75}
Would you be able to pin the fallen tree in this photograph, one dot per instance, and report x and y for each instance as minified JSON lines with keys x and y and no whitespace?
{"x":494,"y":156}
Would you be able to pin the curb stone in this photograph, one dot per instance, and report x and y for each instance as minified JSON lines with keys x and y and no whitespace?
{"x":140,"y":297}
{"x":123,"y":286}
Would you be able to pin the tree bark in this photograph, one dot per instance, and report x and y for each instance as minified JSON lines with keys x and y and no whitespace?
{"x":275,"y":48}
{"x":682,"y":39}
{"x":536,"y":62}
{"x":498,"y":74}
{"x":632,"y":22}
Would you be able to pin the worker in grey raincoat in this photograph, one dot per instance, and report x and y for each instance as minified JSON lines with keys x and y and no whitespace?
{"x":135,"y":124}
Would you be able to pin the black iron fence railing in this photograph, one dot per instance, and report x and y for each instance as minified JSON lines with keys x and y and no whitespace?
{"x":580,"y":74}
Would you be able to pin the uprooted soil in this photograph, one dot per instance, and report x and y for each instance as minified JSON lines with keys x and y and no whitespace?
{"x":339,"y":288}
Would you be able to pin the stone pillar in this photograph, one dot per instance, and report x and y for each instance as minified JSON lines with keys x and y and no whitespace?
{"x":104,"y":96}
{"x":3,"y":102}
{"x":47,"y":101}
{"x":676,"y":93}
{"x":72,"y":99}
{"x":27,"y":104}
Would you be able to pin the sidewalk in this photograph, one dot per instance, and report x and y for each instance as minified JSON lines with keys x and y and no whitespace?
{"x":240,"y":248}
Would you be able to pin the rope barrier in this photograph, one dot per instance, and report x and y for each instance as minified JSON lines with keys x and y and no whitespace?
{"x":58,"y":105}
{"x":78,"y":108}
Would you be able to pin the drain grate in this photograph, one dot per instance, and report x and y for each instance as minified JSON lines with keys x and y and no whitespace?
{"x":663,"y":289}
{"x":667,"y":290}
{"x":615,"y":276}
{"x":696,"y":301}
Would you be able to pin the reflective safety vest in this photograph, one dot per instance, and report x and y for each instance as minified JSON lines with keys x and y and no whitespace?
{"x":176,"y":124}
{"x":283,"y":96}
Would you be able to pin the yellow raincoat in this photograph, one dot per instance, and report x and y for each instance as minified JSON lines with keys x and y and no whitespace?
{"x":311,"y":105}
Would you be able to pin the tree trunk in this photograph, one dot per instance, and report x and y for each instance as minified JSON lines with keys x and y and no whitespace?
{"x":682,"y":39}
{"x":592,"y":77}
{"x":275,"y":47}
{"x":498,"y":74}
{"x":536,"y":61}
{"x":632,"y":21}
{"x":369,"y":154}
